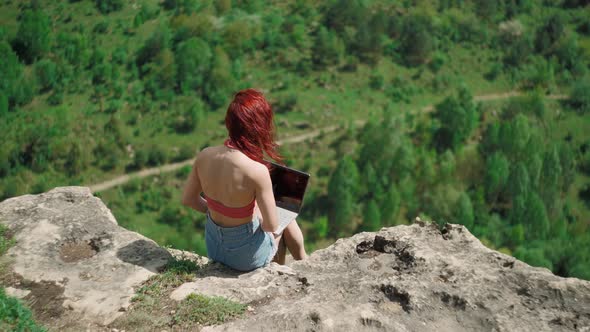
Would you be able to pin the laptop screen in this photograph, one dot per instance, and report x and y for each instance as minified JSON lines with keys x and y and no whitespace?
{"x":288,"y":186}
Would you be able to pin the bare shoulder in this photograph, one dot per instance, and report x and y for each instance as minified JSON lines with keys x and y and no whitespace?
{"x":257,"y":171}
{"x":204,"y":154}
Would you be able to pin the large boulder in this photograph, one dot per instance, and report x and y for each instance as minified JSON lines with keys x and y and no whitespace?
{"x":78,"y":270}
{"x":404,"y":278}
{"x":71,"y":260}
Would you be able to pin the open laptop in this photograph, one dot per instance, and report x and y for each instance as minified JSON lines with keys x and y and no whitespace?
{"x":288,"y":186}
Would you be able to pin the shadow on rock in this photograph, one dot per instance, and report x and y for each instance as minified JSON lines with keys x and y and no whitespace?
{"x":145,"y":254}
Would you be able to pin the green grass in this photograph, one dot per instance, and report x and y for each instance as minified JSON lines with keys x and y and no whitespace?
{"x":207,"y":310}
{"x":152,"y":307}
{"x":175,"y":273}
{"x":14,"y":316}
{"x":6,"y":241}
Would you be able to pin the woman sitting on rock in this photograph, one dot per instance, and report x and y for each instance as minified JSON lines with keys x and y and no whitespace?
{"x":238,"y":198}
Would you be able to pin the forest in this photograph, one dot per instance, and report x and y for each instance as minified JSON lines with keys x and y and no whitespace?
{"x":471,"y":112}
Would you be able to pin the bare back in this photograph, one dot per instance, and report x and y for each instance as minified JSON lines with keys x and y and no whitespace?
{"x":231,"y":178}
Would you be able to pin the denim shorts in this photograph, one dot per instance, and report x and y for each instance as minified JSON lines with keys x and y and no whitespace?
{"x":244,"y":248}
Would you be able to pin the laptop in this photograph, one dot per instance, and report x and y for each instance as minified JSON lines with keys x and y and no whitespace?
{"x":288,"y":186}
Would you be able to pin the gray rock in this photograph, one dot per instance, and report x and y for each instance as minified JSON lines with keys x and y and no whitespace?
{"x":73,"y":257}
{"x":404,"y":278}
{"x":80,"y":268}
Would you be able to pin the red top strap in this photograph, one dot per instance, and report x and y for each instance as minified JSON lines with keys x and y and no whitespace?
{"x":241,"y":212}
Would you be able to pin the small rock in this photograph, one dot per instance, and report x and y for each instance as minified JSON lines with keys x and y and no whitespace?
{"x":114,"y":330}
{"x":16,"y":292}
{"x":172,"y":312}
{"x":250,"y":309}
{"x":122,"y":309}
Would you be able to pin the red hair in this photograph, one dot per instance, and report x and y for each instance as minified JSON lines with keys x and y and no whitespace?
{"x":249,"y":121}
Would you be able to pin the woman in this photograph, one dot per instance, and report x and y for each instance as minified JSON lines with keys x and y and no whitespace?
{"x":238,"y":197}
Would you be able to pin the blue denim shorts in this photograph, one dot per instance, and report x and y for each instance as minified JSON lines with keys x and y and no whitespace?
{"x":244,"y":248}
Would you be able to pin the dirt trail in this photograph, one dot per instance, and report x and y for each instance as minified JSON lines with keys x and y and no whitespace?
{"x":294,"y":139}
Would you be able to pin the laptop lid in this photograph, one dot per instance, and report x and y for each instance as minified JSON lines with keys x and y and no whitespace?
{"x":288,"y":186}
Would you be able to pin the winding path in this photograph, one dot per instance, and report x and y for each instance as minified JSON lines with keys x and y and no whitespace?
{"x":294,"y":139}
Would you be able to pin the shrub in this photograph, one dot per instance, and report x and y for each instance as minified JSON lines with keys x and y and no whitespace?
{"x":494,"y":72}
{"x":108,"y":6}
{"x":438,"y":60}
{"x":101,"y":27}
{"x":285,"y":104}
{"x":16,"y":317}
{"x":376,"y":81}
{"x":33,"y":38}
{"x":417,"y":41}
{"x":580,"y":95}
{"x":157,"y":155}
{"x":46,"y":72}
{"x":184,"y":152}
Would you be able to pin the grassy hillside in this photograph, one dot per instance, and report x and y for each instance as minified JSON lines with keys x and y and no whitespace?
{"x":94,"y":89}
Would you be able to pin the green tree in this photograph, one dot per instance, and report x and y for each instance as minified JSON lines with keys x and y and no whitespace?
{"x":372,"y":217}
{"x":535,"y":218}
{"x":193,"y":61}
{"x":515,"y":137}
{"x":447,"y":165}
{"x":568,"y":166}
{"x":73,"y":47}
{"x":77,"y":160}
{"x":345,"y":13}
{"x":405,"y":160}
{"x":108,"y":6}
{"x":390,"y":206}
{"x":463,"y":211}
{"x":158,"y":41}
{"x":417,"y":39}
{"x":457,"y":117}
{"x":342,"y":190}
{"x":3,"y":104}
{"x":497,"y":172}
{"x":328,"y":49}
{"x":190,"y":118}
{"x":519,"y":182}
{"x":46,"y":71}
{"x":491,"y":139}
{"x":580,"y":95}
{"x":12,"y":72}
{"x":533,"y":256}
{"x":518,"y":209}
{"x":367,"y":41}
{"x":220,"y":83}
{"x":33,"y":38}
{"x":488,"y":10}
{"x":549,"y":33}
{"x":551,"y":173}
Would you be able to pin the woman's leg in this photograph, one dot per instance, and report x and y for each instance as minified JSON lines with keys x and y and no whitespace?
{"x":293,"y":239}
{"x":281,"y":250}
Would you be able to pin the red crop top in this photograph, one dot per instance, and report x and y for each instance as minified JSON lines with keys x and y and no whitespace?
{"x":241,"y":212}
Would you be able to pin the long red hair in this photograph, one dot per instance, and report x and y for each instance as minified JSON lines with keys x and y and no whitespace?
{"x":249,"y":121}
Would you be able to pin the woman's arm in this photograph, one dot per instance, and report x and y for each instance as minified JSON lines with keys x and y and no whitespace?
{"x":191,"y":196}
{"x":265,"y":200}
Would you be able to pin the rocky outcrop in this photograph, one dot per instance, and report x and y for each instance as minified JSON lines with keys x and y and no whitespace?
{"x":404,"y":278}
{"x":71,"y":257}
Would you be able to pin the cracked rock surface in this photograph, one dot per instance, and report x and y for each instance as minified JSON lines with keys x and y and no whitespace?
{"x":71,"y":260}
{"x":404,"y":278}
{"x":78,"y":268}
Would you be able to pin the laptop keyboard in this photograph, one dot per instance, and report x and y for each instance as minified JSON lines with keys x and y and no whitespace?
{"x":285,"y":217}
